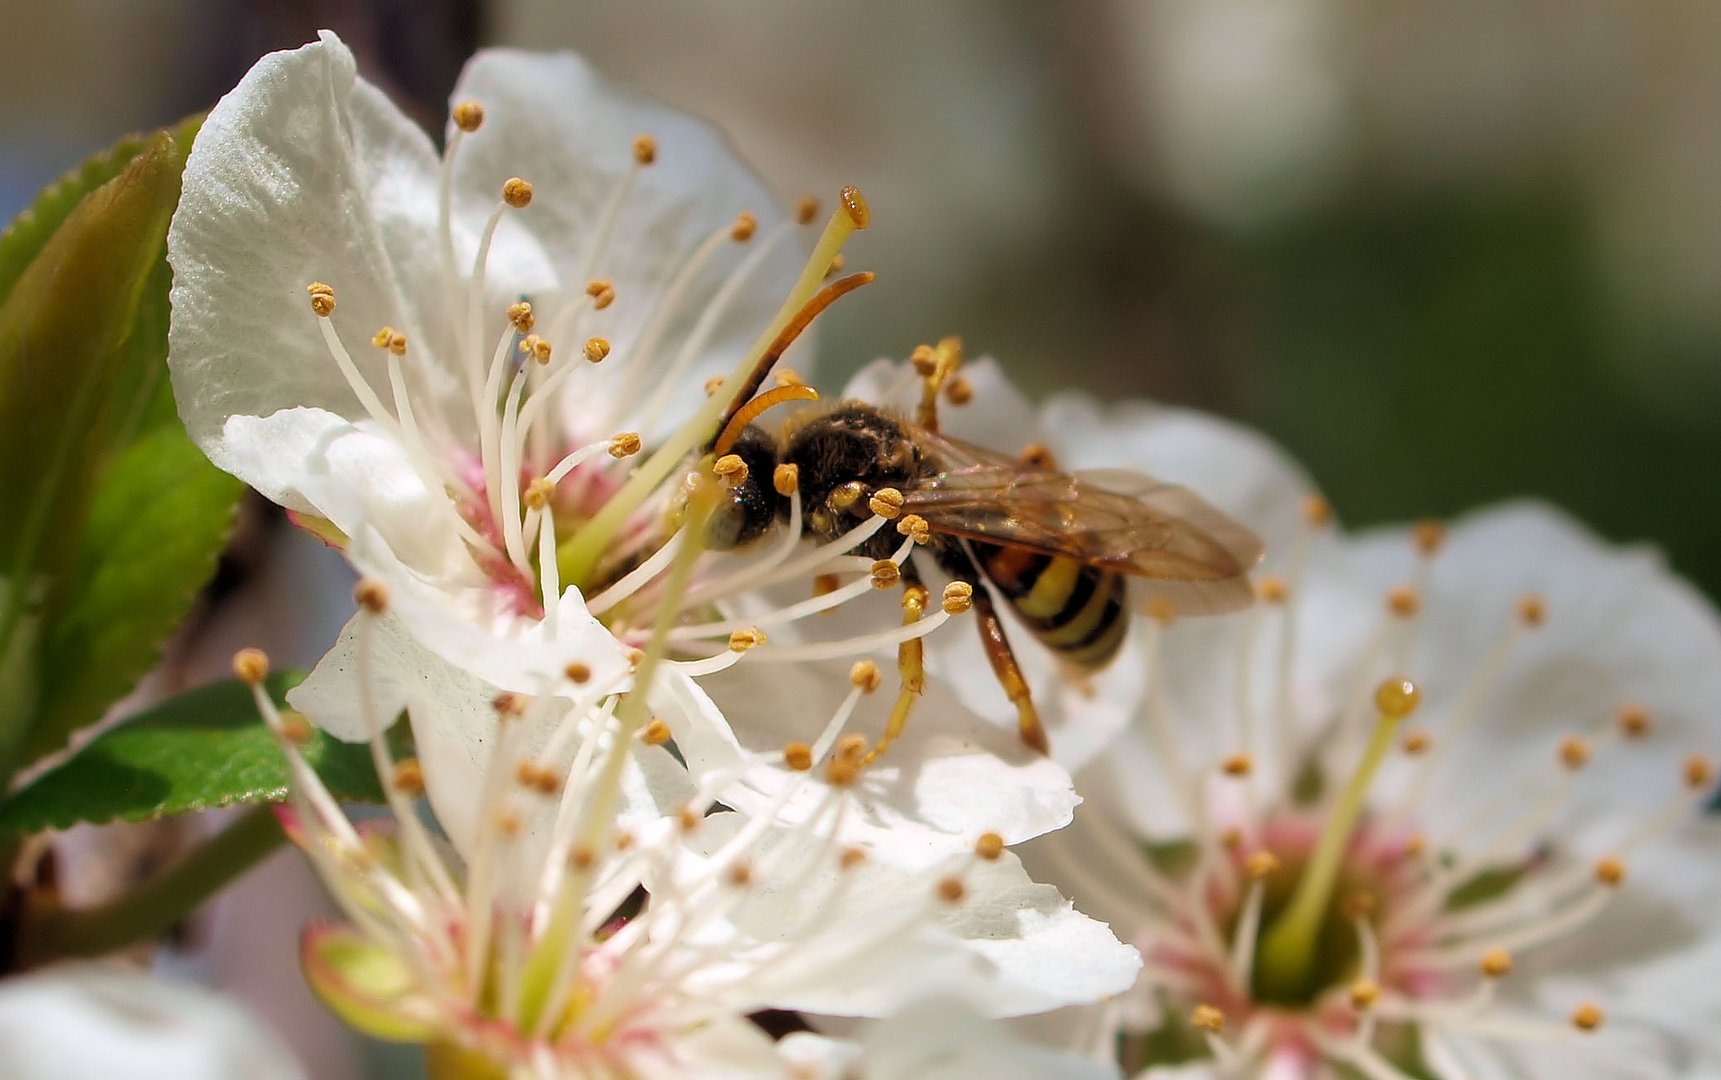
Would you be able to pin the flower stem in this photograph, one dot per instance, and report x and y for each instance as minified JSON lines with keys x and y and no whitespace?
{"x":1287,"y":953}
{"x":56,"y":932}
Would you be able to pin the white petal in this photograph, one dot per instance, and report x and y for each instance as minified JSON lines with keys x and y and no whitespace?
{"x":554,"y":121}
{"x":301,"y":173}
{"x":90,"y":1022}
{"x":949,"y":779}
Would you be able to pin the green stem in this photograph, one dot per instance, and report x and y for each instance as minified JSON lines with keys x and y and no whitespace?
{"x":1287,"y":953}
{"x":152,"y":908}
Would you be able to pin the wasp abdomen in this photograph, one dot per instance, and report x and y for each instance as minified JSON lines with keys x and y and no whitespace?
{"x":1075,"y":609}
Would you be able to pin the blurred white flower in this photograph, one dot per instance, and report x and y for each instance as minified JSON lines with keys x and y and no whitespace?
{"x":604,"y":913}
{"x":92,"y":1022}
{"x":1499,"y":872}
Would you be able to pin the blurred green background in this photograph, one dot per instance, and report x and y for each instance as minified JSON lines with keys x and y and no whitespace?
{"x":1445,"y":251}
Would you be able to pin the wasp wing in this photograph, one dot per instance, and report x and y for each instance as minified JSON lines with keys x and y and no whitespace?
{"x":1164,"y":534}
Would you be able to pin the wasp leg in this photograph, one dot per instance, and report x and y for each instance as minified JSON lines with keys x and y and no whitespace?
{"x":1000,"y":655}
{"x":936,"y":365}
{"x":910,"y":662}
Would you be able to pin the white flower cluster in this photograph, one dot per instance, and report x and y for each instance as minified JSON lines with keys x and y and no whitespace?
{"x":1376,"y":825}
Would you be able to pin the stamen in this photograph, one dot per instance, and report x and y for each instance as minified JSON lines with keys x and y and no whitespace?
{"x":580,"y":555}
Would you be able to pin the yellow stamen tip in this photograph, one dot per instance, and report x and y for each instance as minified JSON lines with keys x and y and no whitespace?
{"x":251,"y":666}
{"x":1532,"y":610}
{"x":1207,"y":1018}
{"x":577,"y":672}
{"x":655,"y":733}
{"x":371,"y":595}
{"x":958,"y":597}
{"x":951,"y":890}
{"x":798,"y":756}
{"x":1610,"y":871}
{"x":748,"y":637}
{"x":296,"y":728}
{"x":806,"y":210}
{"x":596,"y":349}
{"x":1397,"y":698}
{"x":731,"y":468}
{"x":468,"y":116}
{"x":322,"y":298}
{"x":1317,"y":511}
{"x":517,"y":192}
{"x":1404,"y":601}
{"x":1699,"y":772}
{"x":865,"y":676}
{"x":520,"y":317}
{"x":786,"y":478}
{"x":644,"y":149}
{"x":1272,"y":589}
{"x":1429,"y":536}
{"x":1364,"y":993}
{"x":744,"y":228}
{"x":1261,"y":864}
{"x":885,"y":574}
{"x":625,"y":444}
{"x":1634,"y":721}
{"x":1587,"y":1017}
{"x":886,"y":502}
{"x":407,"y":777}
{"x":1238,"y":765}
{"x":1415,"y":743}
{"x":1574,"y":752}
{"x":1496,"y":964}
{"x":990,"y":846}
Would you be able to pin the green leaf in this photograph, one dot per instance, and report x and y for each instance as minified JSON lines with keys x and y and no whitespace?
{"x":201,"y":750}
{"x":160,"y":517}
{"x":63,"y":326}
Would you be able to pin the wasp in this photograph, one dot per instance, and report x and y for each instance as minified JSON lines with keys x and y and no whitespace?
{"x":1070,"y":553}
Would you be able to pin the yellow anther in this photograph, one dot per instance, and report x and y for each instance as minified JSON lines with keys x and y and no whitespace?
{"x":740,"y":875}
{"x":1496,"y":964}
{"x":1415,"y":742}
{"x":371,"y":595}
{"x":989,"y":847}
{"x":744,"y":228}
{"x":296,"y":728}
{"x":865,"y":676}
{"x":1699,"y":772}
{"x":687,"y":819}
{"x":655,"y":733}
{"x":517,"y":192}
{"x":786,"y":478}
{"x":731,"y":468}
{"x":1364,"y":993}
{"x":535,"y":348}
{"x":1207,"y":1018}
{"x":1272,"y":589}
{"x":407,"y":777}
{"x":1574,"y":752}
{"x":577,"y":672}
{"x":1317,"y":511}
{"x":623,"y":840}
{"x":644,"y":149}
{"x":1238,"y":765}
{"x":846,"y":495}
{"x":1610,"y":871}
{"x":1397,"y":698}
{"x":601,"y":292}
{"x":1587,"y":1017}
{"x":959,"y":391}
{"x":1403,"y":601}
{"x":595,"y":350}
{"x":468,"y":116}
{"x":1429,"y":536}
{"x":958,"y":597}
{"x":322,"y":298}
{"x":886,"y":502}
{"x":581,"y":857}
{"x":806,"y":210}
{"x":1357,"y":904}
{"x":951,"y":890}
{"x":382,"y":337}
{"x":251,"y":666}
{"x":885,"y":574}
{"x":851,"y":858}
{"x":509,"y":823}
{"x":854,"y":205}
{"x":1634,"y":721}
{"x":748,"y":637}
{"x":915,"y":527}
{"x":543,"y":780}
{"x":840,"y":772}
{"x":508,"y":704}
{"x":1532,"y":610}
{"x":798,"y":756}
{"x":634,"y":658}
{"x":520,"y":317}
{"x":925,"y":361}
{"x":538,"y":493}
{"x":1160,"y":609}
{"x":1038,"y":456}
{"x":625,"y":444}
{"x":1260,"y":864}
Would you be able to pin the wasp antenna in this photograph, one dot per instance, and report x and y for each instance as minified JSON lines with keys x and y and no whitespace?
{"x":821,"y":300}
{"x":751,"y":411}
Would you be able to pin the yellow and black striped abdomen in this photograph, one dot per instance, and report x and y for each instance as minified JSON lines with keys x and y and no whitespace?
{"x":1075,"y":609}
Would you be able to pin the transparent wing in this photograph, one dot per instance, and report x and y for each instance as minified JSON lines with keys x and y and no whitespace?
{"x":1115,"y":519}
